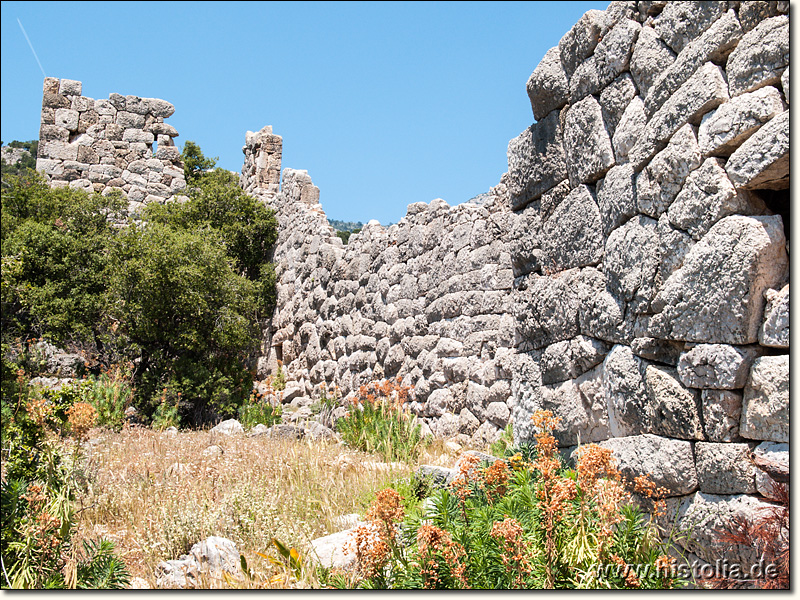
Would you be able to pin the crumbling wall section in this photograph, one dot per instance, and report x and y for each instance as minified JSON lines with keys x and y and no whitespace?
{"x":426,"y":300}
{"x":651,"y":282}
{"x":107,"y":145}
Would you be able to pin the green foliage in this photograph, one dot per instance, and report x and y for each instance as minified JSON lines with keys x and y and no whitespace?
{"x":100,"y":568}
{"x":504,"y":444}
{"x":110,"y":394}
{"x":379,"y":422}
{"x":256,"y":410}
{"x":351,"y":226}
{"x":195,"y":164}
{"x":28,"y":161}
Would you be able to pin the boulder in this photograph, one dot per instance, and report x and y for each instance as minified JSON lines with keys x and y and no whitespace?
{"x":774,"y":332}
{"x":586,"y":142}
{"x":716,"y":366}
{"x":208,"y":559}
{"x":572,"y":236}
{"x":672,"y":410}
{"x":681,"y":22}
{"x":616,"y":197}
{"x":722,"y":411}
{"x":765,"y":406}
{"x":547,"y":87}
{"x":651,"y":57}
{"x":760,"y":57}
{"x":724,"y":468}
{"x":762,"y":162}
{"x":228,"y":427}
{"x":571,"y":358}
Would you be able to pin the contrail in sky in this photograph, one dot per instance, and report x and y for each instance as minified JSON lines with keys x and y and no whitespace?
{"x":31,"y":45}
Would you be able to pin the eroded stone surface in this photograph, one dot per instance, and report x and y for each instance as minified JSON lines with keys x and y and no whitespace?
{"x":762,"y":162}
{"x":547,"y":87}
{"x":760,"y":57}
{"x":586,"y":143}
{"x":765,"y":407}
{"x":717,"y":366}
{"x":725,"y":468}
{"x":774,"y":332}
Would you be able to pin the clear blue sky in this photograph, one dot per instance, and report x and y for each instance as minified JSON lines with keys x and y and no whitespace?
{"x":383,"y":103}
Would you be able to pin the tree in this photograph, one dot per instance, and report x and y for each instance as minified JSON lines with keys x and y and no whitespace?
{"x":195,"y":164}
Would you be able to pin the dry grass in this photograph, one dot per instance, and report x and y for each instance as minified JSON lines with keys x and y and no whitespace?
{"x":156,"y":495}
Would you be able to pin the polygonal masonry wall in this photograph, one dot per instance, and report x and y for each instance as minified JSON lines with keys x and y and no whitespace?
{"x":106,"y":145}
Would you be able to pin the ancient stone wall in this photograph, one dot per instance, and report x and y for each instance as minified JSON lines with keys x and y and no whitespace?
{"x":427,"y":299}
{"x":651,"y":293}
{"x":105,"y":145}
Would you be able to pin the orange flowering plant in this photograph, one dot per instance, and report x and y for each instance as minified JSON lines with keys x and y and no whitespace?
{"x":526,"y":521}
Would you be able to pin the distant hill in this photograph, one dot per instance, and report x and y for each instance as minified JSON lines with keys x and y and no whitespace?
{"x":18,"y":156}
{"x":345,"y":225}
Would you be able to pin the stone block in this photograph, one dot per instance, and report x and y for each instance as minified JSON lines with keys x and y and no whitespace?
{"x":725,"y":129}
{"x":625,"y":392}
{"x":760,"y":57}
{"x":762,"y":162}
{"x":724,"y":468}
{"x":616,"y":197}
{"x":629,"y":129}
{"x":717,"y":366}
{"x":573,"y":236}
{"x":49,"y":133}
{"x":672,"y":409}
{"x":588,"y":148}
{"x":651,"y":57}
{"x":547,"y":86}
{"x":722,"y":411}
{"x":159,"y":108}
{"x":67,"y":118}
{"x":129,"y":120}
{"x":716,"y":296}
{"x":547,"y":311}
{"x":668,"y":463}
{"x":681,"y":22}
{"x":571,"y":358}
{"x":70,"y":87}
{"x":615,"y":99}
{"x":60,"y":150}
{"x":774,"y":332}
{"x":631,"y":262}
{"x":536,"y":161}
{"x":580,"y":41}
{"x":765,"y":407}
{"x":775,"y":453}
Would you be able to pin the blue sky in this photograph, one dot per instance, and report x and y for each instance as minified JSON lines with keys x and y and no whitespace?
{"x":383,"y":103}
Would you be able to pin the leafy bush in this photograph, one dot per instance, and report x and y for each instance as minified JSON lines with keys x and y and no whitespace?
{"x":111,"y":393}
{"x":378,"y":421}
{"x":515,"y":524}
{"x":256,"y":411}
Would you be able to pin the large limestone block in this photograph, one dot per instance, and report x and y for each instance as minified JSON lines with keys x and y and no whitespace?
{"x":547,"y":311}
{"x":586,"y":143}
{"x":571,"y":358}
{"x":625,"y":392}
{"x":725,"y":129}
{"x":708,"y":196}
{"x":662,"y":351}
{"x":703,"y":516}
{"x":762,"y":162}
{"x":614,"y":100}
{"x":774,"y":332}
{"x":580,"y":41}
{"x":70,"y":87}
{"x":674,"y":246}
{"x":775,"y":453}
{"x":536,"y":161}
{"x":616,"y":197}
{"x":629,"y":129}
{"x":547,"y":87}
{"x":702,"y":92}
{"x":601,"y":315}
{"x":681,"y":22}
{"x":722,"y":411}
{"x":572,"y":236}
{"x":579,"y":403}
{"x":67,"y":118}
{"x":611,"y":57}
{"x":713,"y":45}
{"x":672,"y":410}
{"x":725,"y":468}
{"x":631,"y":262}
{"x":765,"y":407}
{"x":717,"y":294}
{"x":752,"y":12}
{"x":651,"y":57}
{"x":660,"y":181}
{"x":668,"y":463}
{"x":717,"y":366}
{"x":760,"y":57}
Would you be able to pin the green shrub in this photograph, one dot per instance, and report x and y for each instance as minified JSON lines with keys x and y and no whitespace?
{"x":378,"y":421}
{"x":110,"y":394}
{"x":257,"y":411}
{"x":515,"y":524}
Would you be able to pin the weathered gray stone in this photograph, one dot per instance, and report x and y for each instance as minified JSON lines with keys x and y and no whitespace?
{"x":615,"y":99}
{"x":672,"y":410}
{"x":629,"y":129}
{"x":578,"y":403}
{"x":708,"y":196}
{"x":547,"y":312}
{"x":725,"y":275}
{"x":600,"y":314}
{"x":651,"y":57}
{"x":129,"y":120}
{"x":713,"y":45}
{"x":725,"y":129}
{"x":762,"y":162}
{"x":228,"y":427}
{"x":616,"y":197}
{"x":760,"y":57}
{"x":774,"y":332}
{"x":773,"y":452}
{"x":785,"y":84}
{"x":631,"y":262}
{"x":674,"y":246}
{"x":573,"y":237}
{"x":681,"y":22}
{"x":536,"y":161}
{"x":722,"y":411}
{"x":668,"y":463}
{"x":725,"y":468}
{"x":547,"y":87}
{"x":765,"y":407}
{"x":335,"y":551}
{"x":588,"y":148}
{"x":701,"y":93}
{"x":625,"y":392}
{"x":663,"y":351}
{"x":703,"y":516}
{"x":659,"y":183}
{"x":550,"y":200}
{"x":571,"y":358}
{"x":752,"y":12}
{"x":498,"y":413}
{"x":580,"y":41}
{"x":716,"y":366}
{"x":70,"y":87}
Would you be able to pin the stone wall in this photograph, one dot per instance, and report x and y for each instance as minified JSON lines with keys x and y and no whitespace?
{"x":651,"y":285}
{"x":106,"y":145}
{"x":427,"y":299}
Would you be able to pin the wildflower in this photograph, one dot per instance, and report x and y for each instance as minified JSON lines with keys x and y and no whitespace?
{"x":509,"y":533}
{"x":39,"y":410}
{"x":496,"y":480}
{"x":82,"y":417}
